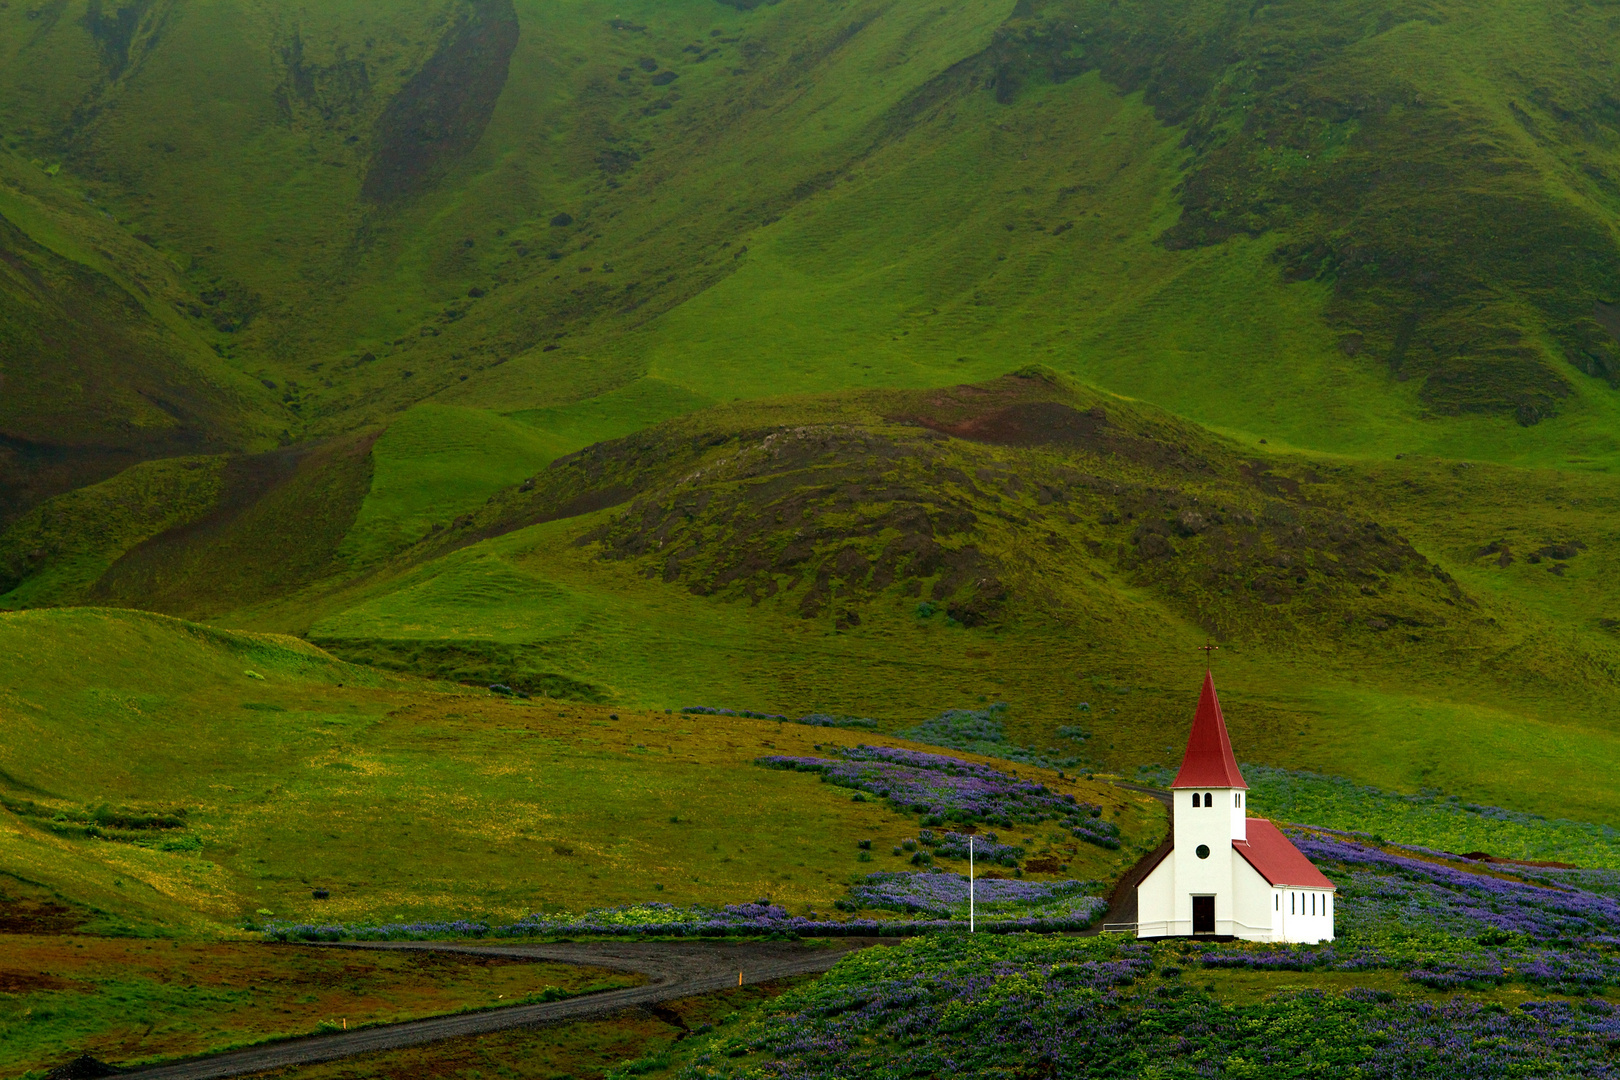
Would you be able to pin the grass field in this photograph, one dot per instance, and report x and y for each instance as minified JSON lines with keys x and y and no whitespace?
{"x":309,"y":773}
{"x":141,"y":1000}
{"x":581,"y":1049}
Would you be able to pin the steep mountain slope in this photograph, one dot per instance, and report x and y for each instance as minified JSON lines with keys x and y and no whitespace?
{"x":97,"y":370}
{"x":1255,"y":216}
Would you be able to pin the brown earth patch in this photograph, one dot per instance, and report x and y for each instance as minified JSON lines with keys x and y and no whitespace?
{"x":1029,"y":423}
{"x":29,"y":982}
{"x":1480,"y":856}
{"x":37,"y":915}
{"x":441,"y":112}
{"x":1019,"y":410}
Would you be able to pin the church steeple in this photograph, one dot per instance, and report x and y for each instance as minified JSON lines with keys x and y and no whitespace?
{"x":1209,"y":762}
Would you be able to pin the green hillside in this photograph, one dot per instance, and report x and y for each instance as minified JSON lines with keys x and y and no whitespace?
{"x":1233,"y":212}
{"x":655,"y":353}
{"x":214,"y":774}
{"x":891,"y":554}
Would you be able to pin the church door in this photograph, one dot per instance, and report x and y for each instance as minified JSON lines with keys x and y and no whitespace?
{"x":1203,"y":914}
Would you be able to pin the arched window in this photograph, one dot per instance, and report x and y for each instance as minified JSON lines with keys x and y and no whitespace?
{"x":1209,"y":800}
{"x":1237,"y":800}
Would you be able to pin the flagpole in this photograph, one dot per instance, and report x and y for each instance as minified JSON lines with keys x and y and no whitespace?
{"x":970,"y":883}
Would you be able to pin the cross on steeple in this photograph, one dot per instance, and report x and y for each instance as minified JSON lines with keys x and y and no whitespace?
{"x":1207,"y":648}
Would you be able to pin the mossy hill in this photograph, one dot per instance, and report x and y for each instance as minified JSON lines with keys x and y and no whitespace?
{"x":655,"y":353}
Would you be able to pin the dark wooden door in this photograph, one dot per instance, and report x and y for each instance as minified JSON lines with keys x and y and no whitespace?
{"x":1203,"y":914}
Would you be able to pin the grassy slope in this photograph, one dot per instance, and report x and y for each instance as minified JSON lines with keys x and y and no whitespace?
{"x":135,"y":1000}
{"x":1371,"y":681}
{"x":317,"y":773}
{"x":877,"y":194}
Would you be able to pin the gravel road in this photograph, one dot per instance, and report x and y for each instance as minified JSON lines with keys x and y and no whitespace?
{"x":673,"y":970}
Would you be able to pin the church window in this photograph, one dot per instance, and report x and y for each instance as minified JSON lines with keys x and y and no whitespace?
{"x":1237,"y":800}
{"x":1202,"y":851}
{"x":1313,"y":903}
{"x":1209,"y":800}
{"x":1278,"y":898}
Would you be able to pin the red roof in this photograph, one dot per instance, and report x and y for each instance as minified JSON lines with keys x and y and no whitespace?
{"x":1209,"y":762}
{"x":1277,"y":859}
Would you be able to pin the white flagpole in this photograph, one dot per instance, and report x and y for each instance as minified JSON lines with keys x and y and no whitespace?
{"x":970,"y":883}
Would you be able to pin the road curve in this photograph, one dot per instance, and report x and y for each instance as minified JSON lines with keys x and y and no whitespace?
{"x":673,"y":970}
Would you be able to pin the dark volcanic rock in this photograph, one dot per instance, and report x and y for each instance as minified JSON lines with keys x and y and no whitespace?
{"x":83,"y":1067}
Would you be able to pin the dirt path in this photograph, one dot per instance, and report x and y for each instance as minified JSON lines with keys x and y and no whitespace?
{"x":673,"y":970}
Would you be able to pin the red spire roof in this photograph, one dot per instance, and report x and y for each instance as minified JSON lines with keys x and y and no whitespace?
{"x":1209,"y":762}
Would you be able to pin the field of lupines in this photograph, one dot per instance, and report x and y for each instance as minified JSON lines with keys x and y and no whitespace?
{"x":946,"y":896}
{"x":1447,"y":927}
{"x":1107,"y":1007}
{"x":943,"y":788}
{"x":1014,"y":906}
{"x":1435,"y":942}
{"x":978,"y":731}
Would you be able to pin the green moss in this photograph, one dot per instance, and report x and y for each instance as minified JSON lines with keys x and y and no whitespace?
{"x":56,"y":553}
{"x":434,"y":463}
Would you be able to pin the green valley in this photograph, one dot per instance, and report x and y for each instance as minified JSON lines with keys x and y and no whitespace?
{"x":447,"y":447}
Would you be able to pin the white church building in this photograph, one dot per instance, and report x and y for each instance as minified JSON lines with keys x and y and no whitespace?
{"x":1225,"y":873}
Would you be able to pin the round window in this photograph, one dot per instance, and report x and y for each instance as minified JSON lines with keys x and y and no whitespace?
{"x":1203,"y":851}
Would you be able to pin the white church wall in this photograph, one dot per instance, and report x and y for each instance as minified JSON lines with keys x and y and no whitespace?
{"x":1209,"y":828}
{"x":1307,"y":915}
{"x":1155,"y":903}
{"x":1240,"y":814}
{"x":1253,"y":905}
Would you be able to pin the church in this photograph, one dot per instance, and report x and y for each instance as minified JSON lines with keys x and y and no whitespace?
{"x":1225,"y":873}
